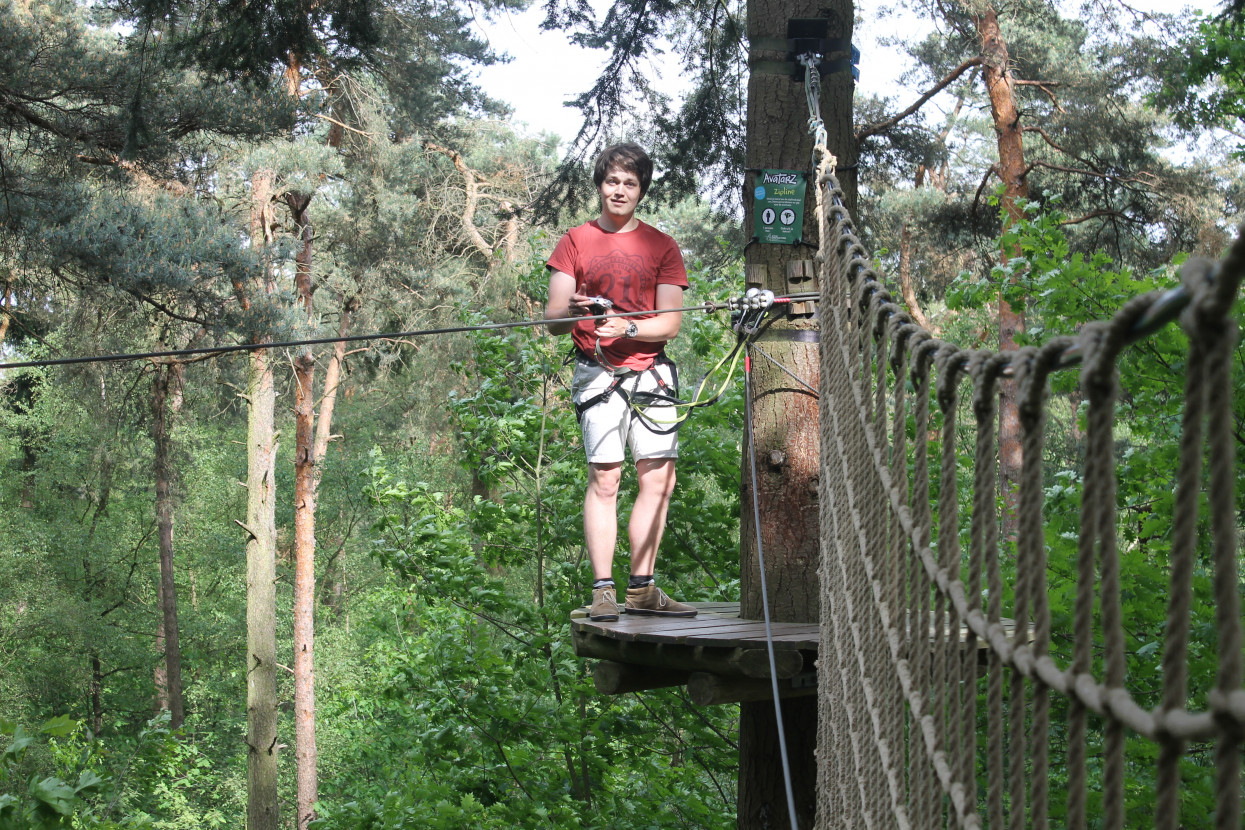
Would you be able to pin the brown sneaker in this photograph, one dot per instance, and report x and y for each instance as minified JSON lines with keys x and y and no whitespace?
{"x":604,"y":604}
{"x":652,"y":601}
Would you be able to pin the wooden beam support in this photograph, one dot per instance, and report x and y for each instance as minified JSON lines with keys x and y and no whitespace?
{"x":710,"y":690}
{"x":801,"y":279}
{"x":755,"y":275}
{"x":612,"y":678}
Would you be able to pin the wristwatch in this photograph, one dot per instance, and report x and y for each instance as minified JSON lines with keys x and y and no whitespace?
{"x":632,"y":330}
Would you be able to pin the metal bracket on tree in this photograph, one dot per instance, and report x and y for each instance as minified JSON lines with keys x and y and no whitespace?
{"x":807,"y":36}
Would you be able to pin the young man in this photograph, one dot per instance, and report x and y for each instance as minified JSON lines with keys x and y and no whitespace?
{"x":637,"y":268}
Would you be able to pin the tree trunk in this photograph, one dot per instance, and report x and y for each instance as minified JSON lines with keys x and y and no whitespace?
{"x":167,"y":380}
{"x":88,"y":582}
{"x":261,"y":597}
{"x":905,"y":275}
{"x":1000,"y":85}
{"x":333,"y":588}
{"x":305,"y":481}
{"x":97,"y":690}
{"x":160,"y":676}
{"x":785,"y":436}
{"x":261,"y":560}
{"x":6,"y":305}
{"x":30,"y":460}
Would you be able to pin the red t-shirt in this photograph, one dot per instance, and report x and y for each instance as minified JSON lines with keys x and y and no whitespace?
{"x":625,"y":268}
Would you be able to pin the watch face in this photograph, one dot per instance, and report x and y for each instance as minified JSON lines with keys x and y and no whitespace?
{"x":632,"y":330}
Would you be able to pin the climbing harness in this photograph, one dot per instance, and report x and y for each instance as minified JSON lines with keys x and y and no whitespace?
{"x":617,"y":386}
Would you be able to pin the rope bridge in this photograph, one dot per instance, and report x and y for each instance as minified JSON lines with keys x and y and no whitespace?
{"x":913,"y":731}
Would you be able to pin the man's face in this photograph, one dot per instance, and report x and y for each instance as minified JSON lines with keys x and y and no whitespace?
{"x":620,"y":193}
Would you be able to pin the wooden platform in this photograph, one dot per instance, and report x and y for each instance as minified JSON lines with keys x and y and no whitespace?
{"x":717,"y":624}
{"x":721,"y":658}
{"x":718,"y":656}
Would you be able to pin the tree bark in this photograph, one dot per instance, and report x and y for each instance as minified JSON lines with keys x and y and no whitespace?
{"x":89,"y":582}
{"x":785,"y":440}
{"x":905,"y":275}
{"x":160,"y":677}
{"x":333,"y":587}
{"x":1000,"y":85}
{"x":261,"y":560}
{"x":6,"y":306}
{"x":305,"y":481}
{"x":97,"y":692}
{"x":166,"y":382}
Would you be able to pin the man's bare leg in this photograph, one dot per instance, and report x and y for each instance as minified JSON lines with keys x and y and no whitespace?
{"x":655,"y":483}
{"x":601,"y":517}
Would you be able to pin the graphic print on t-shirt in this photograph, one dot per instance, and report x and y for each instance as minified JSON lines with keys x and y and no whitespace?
{"x":621,"y":276}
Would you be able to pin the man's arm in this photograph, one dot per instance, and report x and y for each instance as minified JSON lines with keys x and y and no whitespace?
{"x":564,"y":301}
{"x":656,"y":329}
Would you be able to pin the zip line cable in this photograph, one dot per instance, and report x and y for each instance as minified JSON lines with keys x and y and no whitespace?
{"x":359,"y":338}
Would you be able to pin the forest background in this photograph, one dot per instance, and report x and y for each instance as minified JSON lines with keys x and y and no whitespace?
{"x":179,"y":175}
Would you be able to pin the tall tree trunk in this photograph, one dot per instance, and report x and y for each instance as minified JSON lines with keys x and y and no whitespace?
{"x":88,"y":582}
{"x":261,"y":596}
{"x":160,"y":676}
{"x":166,"y":382}
{"x":6,"y":312}
{"x":30,"y":460}
{"x":333,"y":588}
{"x":261,"y":559}
{"x":97,"y":690}
{"x":1000,"y":85}
{"x":906,"y":287}
{"x":305,"y":481}
{"x":785,"y":436}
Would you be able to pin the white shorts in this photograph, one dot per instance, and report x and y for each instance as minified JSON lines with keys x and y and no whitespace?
{"x":611,"y":424}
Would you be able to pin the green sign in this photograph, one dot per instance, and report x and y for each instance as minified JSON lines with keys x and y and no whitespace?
{"x":778,"y":207}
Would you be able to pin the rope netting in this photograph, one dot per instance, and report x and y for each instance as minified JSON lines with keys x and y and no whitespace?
{"x":944,"y":700}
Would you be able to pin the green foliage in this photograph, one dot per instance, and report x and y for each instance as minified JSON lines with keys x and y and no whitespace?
{"x":1061,"y":291}
{"x":1205,"y":82}
{"x":1059,"y":287}
{"x":67,"y":777}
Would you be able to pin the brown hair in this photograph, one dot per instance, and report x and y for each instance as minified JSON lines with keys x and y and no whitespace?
{"x":625,"y":156}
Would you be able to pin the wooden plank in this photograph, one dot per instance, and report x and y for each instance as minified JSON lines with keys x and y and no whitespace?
{"x":704,"y":641}
{"x":810,"y":635}
{"x":667,"y":630}
{"x":722,"y":634}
